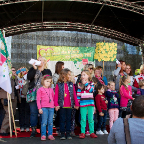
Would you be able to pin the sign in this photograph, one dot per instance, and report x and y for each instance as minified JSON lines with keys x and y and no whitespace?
{"x":105,"y":51}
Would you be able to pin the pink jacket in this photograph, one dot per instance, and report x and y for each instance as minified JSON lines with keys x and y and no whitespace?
{"x":125,"y":95}
{"x":45,"y":99}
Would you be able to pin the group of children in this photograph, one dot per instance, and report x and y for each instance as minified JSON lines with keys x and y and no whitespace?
{"x":91,"y":97}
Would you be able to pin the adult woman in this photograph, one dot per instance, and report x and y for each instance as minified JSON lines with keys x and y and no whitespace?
{"x":139,"y":77}
{"x":58,"y":67}
{"x":35,"y":75}
{"x":118,"y":73}
{"x":24,"y":110}
{"x":129,"y":72}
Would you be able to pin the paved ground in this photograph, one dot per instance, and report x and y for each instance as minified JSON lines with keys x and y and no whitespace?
{"x":75,"y":140}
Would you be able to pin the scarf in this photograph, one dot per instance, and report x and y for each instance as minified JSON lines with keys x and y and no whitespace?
{"x":100,"y":80}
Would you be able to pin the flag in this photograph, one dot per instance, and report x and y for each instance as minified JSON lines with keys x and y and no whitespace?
{"x":5,"y":66}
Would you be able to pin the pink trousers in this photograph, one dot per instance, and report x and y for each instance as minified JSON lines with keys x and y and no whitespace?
{"x":113,"y":114}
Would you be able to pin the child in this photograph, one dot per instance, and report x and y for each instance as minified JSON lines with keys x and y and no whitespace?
{"x":140,"y":91}
{"x":126,"y":93}
{"x":101,"y":104}
{"x":113,"y":106}
{"x":87,"y":104}
{"x":45,"y":104}
{"x":65,"y":100}
{"x":24,"y":110}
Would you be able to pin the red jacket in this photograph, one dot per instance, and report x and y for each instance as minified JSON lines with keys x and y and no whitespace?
{"x":100,"y":102}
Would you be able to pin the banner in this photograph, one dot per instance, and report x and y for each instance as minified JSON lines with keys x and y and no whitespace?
{"x":105,"y":51}
{"x":5,"y":66}
{"x":74,"y":57}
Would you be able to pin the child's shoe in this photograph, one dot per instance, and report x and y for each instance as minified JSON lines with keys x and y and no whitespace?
{"x":87,"y":133}
{"x":92,"y":135}
{"x":27,"y":129}
{"x":82,"y":136}
{"x":43,"y":138}
{"x":69,"y":137}
{"x":50,"y":137}
{"x":62,"y":138}
{"x":99,"y":132}
{"x":105,"y":132}
{"x":22,"y":129}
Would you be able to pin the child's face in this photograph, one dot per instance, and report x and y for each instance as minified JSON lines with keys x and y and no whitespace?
{"x":84,"y":76}
{"x":47,"y":82}
{"x":112,"y":86}
{"x":128,"y":79}
{"x":69,"y":76}
{"x":101,"y":91}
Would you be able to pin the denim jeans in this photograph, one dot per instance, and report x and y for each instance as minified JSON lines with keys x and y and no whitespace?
{"x":65,"y":118}
{"x":24,"y":114}
{"x":102,"y":121}
{"x":47,"y":119}
{"x":33,"y":114}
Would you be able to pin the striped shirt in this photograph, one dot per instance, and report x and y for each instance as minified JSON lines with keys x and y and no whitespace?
{"x":85,"y":97}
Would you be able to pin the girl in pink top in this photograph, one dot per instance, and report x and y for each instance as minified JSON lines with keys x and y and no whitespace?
{"x":126,"y":93}
{"x":45,"y":104}
{"x":65,"y":100}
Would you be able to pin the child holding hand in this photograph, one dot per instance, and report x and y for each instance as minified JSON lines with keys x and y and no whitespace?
{"x":113,"y":106}
{"x":101,"y":104}
{"x":45,"y":104}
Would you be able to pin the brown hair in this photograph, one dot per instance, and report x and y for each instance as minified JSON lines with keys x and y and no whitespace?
{"x":110,"y":83}
{"x":131,"y":74}
{"x":58,"y":67}
{"x":141,"y":68}
{"x":99,"y":67}
{"x":122,"y":81}
{"x":45,"y":77}
{"x":63,"y":74}
{"x":141,"y":83}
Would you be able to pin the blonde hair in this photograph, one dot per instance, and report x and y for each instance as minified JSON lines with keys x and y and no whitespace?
{"x":72,"y":74}
{"x":45,"y":62}
{"x":20,"y":74}
{"x":87,"y":66}
{"x":141,"y":68}
{"x":45,"y":77}
{"x":110,"y":82}
{"x":122,"y":81}
{"x":141,"y":83}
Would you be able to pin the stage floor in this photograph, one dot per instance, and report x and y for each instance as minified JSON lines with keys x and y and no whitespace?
{"x":100,"y":140}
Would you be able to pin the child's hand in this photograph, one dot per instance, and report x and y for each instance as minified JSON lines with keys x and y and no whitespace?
{"x":101,"y":114}
{"x":106,"y":102}
{"x":40,"y":111}
{"x":57,"y":108}
{"x":133,"y":98}
{"x":76,"y":107}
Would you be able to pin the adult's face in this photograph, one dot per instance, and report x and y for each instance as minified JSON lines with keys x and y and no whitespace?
{"x":97,"y":72}
{"x":128,"y":69}
{"x":62,"y":66}
{"x":90,"y":70}
{"x":42,"y":61}
{"x":13,"y":71}
{"x":123,"y":66}
{"x":142,"y":71}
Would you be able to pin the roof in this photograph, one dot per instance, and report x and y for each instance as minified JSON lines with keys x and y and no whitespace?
{"x":117,"y":19}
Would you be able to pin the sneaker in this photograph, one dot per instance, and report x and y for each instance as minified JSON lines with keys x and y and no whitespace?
{"x":99,"y":132}
{"x":62,"y":138}
{"x":69,"y":137}
{"x":43,"y":138}
{"x":92,"y":135}
{"x":22,"y":129}
{"x":27,"y":129}
{"x":105,"y":132}
{"x":82,"y":136}
{"x":50,"y":137}
{"x":87,"y":133}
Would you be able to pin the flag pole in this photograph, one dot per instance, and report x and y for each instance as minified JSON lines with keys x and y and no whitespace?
{"x":13,"y":116}
{"x":103,"y":71}
{"x":9,"y":115}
